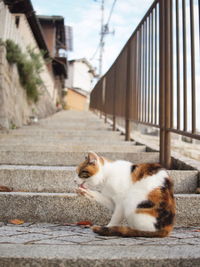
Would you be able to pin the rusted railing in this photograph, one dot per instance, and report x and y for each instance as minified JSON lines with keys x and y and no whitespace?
{"x":154,"y":79}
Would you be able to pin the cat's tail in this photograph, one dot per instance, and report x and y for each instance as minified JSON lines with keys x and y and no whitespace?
{"x":125,"y":231}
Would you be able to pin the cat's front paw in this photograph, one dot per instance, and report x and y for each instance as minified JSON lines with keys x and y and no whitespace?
{"x":85,"y":192}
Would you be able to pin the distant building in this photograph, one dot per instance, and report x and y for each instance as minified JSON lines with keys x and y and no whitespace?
{"x":79,"y":83}
{"x":53,"y":29}
{"x":76,"y":99}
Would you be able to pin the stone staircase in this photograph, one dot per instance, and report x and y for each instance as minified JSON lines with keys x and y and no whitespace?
{"x":39,"y":161}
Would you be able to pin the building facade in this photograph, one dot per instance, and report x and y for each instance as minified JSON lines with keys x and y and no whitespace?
{"x":79,"y":84}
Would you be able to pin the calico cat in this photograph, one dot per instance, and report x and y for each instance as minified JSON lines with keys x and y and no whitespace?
{"x":142,"y":194}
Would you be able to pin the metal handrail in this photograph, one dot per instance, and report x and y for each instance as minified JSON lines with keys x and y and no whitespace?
{"x":149,"y":81}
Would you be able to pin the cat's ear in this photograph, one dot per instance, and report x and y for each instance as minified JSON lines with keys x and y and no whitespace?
{"x":92,"y":157}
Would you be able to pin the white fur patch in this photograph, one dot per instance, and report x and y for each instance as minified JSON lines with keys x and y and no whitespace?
{"x":142,"y":222}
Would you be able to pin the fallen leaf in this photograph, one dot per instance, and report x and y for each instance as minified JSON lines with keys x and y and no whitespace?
{"x":16,"y":221}
{"x":84,"y":223}
{"x":69,"y":224}
{"x":5,"y":189}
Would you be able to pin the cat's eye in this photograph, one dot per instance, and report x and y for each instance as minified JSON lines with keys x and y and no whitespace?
{"x":84,"y":174}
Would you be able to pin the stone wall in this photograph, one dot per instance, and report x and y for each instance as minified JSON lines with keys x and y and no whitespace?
{"x":15,"y":108}
{"x":23,"y":36}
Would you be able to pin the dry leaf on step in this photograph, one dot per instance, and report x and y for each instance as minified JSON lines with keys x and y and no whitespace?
{"x":16,"y":221}
{"x":5,"y":189}
{"x":84,"y":223}
{"x":81,"y":223}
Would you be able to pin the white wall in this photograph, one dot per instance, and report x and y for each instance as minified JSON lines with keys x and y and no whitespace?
{"x":79,"y":77}
{"x":24,"y":37}
{"x":82,"y":78}
{"x":69,"y":80}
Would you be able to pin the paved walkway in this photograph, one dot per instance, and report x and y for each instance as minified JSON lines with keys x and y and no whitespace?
{"x":74,"y":245}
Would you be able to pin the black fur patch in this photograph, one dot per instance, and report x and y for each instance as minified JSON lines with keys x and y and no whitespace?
{"x":103,"y":231}
{"x":133,"y":167}
{"x":153,"y":168}
{"x":167,"y":184}
{"x":146,"y":204}
{"x":164,"y":218}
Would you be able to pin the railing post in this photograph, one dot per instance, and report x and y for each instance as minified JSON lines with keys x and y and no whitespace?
{"x":105,"y":117}
{"x":114,"y":99}
{"x":114,"y":123}
{"x":104,"y":99}
{"x":162,"y":80}
{"x":128,"y":88}
{"x":165,"y":82}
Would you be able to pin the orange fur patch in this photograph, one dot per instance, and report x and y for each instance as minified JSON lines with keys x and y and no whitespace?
{"x":92,"y":169}
{"x":168,"y":228}
{"x":143,"y":170}
{"x":155,"y":195}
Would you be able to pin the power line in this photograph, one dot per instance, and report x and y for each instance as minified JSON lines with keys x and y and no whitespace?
{"x":97,"y":49}
{"x":111,"y":11}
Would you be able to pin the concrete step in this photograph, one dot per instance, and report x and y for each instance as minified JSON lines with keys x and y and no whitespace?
{"x":70,"y":158}
{"x":58,"y":139}
{"x":69,"y":207}
{"x":74,"y":146}
{"x":57,"y":245}
{"x":75,"y":126}
{"x":64,"y":143}
{"x":61,"y":179}
{"x":58,"y":133}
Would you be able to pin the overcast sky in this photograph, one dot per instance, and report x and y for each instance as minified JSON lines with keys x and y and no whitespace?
{"x":84,"y":16}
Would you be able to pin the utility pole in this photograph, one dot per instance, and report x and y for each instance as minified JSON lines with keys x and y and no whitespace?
{"x":104,"y":30}
{"x":101,"y":39}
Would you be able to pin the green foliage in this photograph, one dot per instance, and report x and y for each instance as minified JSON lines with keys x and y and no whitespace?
{"x":12,"y":125}
{"x":29,"y":67}
{"x":14,"y":54}
{"x":36,"y":59}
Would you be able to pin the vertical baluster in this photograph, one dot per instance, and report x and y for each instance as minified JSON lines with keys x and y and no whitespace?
{"x":184,"y":66}
{"x":193,"y":67}
{"x":178,"y":64}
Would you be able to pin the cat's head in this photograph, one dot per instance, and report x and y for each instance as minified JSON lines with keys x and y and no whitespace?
{"x":90,"y":171}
